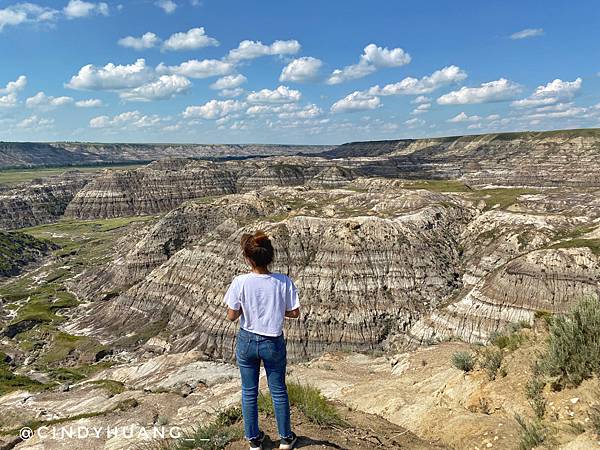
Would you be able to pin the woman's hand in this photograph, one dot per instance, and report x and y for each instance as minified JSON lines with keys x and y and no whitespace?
{"x":293,"y":314}
{"x":233,"y":314}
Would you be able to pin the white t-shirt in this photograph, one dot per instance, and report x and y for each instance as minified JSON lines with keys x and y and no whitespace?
{"x":264,"y":299}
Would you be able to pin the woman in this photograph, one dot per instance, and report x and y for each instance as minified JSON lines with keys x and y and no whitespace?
{"x":262,"y":300}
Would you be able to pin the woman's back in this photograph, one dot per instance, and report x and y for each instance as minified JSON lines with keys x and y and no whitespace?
{"x":264,"y":299}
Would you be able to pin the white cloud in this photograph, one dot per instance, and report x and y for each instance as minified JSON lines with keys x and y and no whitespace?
{"x":463,"y":117}
{"x":214,"y":109}
{"x":35,"y":122}
{"x":421,"y":108}
{"x":281,"y":94}
{"x":357,"y":101}
{"x":420,"y":99}
{"x":414,"y":123}
{"x":301,"y":70}
{"x":425,"y":85}
{"x":231,"y":92}
{"x":89,"y":103}
{"x":553,"y":92}
{"x":198,"y":69}
{"x":123,"y":121}
{"x":167,"y":6}
{"x":43,"y":101}
{"x":527,"y":33}
{"x":8,"y":94}
{"x":146,"y":41}
{"x":493,"y":91}
{"x":167,"y":86}
{"x":255,"y":49}
{"x":229,"y":82}
{"x":373,"y":58}
{"x":308,"y":112}
{"x":21,"y":13}
{"x":112,"y":77}
{"x":76,"y":9}
{"x":192,"y":39}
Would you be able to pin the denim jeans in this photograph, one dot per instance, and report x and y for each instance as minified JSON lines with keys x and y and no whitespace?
{"x":250,"y":350}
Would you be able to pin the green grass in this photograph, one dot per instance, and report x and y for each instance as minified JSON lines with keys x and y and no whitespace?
{"x":592,"y":244}
{"x":503,"y":197}
{"x":11,"y":177}
{"x":208,"y":437}
{"x":437,"y":185}
{"x":309,"y":401}
{"x":111,"y":386}
{"x":491,"y":360}
{"x":18,"y":249}
{"x":10,"y":381}
{"x":533,"y":434}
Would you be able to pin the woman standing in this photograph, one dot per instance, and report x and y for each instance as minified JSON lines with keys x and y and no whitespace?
{"x":262,"y":300}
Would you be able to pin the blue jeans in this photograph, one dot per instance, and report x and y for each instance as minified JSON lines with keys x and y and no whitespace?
{"x":250,"y":350}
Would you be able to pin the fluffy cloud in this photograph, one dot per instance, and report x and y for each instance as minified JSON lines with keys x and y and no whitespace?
{"x":425,"y":85}
{"x":281,"y":94}
{"x":192,"y":39}
{"x":421,"y":108}
{"x":130,"y":119}
{"x":231,"y":92}
{"x":527,"y":33}
{"x":214,"y":109}
{"x":420,"y":99}
{"x":357,"y":101}
{"x":76,"y":9}
{"x":167,"y":6}
{"x":112,"y":77}
{"x":41,"y":100}
{"x":286,"y":111}
{"x":198,"y":69}
{"x":8,"y":94}
{"x":373,"y":58}
{"x":493,"y":91}
{"x":255,"y":49}
{"x":301,"y":70}
{"x":463,"y":117}
{"x":20,"y":13}
{"x":146,"y":41}
{"x":229,"y":82}
{"x":307,"y":112}
{"x":167,"y":86}
{"x":35,"y":122}
{"x":89,"y":103}
{"x":553,"y":92}
{"x":414,"y":123}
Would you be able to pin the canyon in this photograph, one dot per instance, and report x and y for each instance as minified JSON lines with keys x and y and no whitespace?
{"x":404,"y":252}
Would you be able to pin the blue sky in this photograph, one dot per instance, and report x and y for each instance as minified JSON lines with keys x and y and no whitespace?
{"x":212,"y":71}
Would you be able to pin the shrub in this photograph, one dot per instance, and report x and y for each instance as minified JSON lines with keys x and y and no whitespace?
{"x":533,"y":433}
{"x":594,"y":415}
{"x":574,"y":344}
{"x":229,"y":416}
{"x":463,"y":361}
{"x":209,"y":437}
{"x":491,"y":362}
{"x":534,"y":390}
{"x":310,"y":401}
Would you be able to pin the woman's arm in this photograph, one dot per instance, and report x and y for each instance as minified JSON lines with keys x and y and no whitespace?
{"x":233,"y":314}
{"x":293,"y":314}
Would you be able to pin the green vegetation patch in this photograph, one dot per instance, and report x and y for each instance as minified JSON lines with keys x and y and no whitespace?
{"x":11,"y":177}
{"x":503,"y":197}
{"x":10,"y":381}
{"x":437,"y":185}
{"x":17,"y":249}
{"x":592,"y":244}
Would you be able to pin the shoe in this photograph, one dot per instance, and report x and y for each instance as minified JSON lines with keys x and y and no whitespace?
{"x":288,"y":442}
{"x":256,"y":443}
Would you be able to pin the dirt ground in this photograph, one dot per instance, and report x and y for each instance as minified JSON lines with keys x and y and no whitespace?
{"x":366,"y":431}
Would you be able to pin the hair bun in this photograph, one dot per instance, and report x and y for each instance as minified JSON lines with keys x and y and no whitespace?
{"x":258,"y":248}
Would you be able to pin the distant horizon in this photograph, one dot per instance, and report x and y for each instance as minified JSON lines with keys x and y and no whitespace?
{"x":296,"y":144}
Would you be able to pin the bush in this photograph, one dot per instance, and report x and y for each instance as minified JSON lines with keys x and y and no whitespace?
{"x":594,"y":415}
{"x":310,"y":401}
{"x":534,"y":390}
{"x":533,"y":433}
{"x":574,"y":344}
{"x":463,"y":361}
{"x":209,"y":437}
{"x":229,"y":416}
{"x":491,"y":362}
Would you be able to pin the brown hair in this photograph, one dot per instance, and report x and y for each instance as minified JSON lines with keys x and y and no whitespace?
{"x":258,"y":248}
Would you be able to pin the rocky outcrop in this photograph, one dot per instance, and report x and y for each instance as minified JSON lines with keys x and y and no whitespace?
{"x":19,"y":249}
{"x":158,"y":187}
{"x":40,"y":201}
{"x":34,"y":154}
{"x":361,"y":277}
